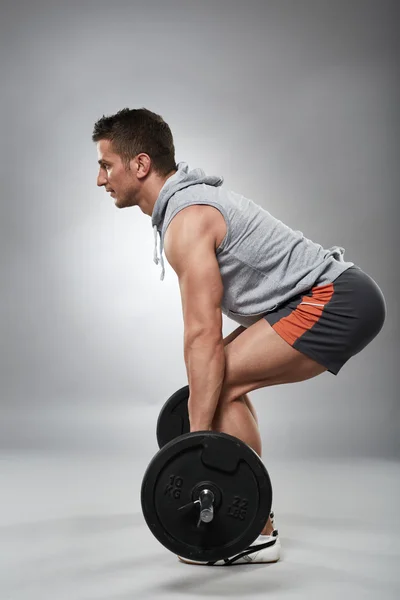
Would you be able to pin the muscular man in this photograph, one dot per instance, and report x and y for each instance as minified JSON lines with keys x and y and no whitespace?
{"x":302,"y":309}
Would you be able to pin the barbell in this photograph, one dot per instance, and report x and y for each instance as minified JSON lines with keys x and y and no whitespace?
{"x":205,"y":496}
{"x":173,"y":419}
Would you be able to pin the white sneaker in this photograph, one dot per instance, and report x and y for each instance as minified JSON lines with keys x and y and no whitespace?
{"x":265,"y":549}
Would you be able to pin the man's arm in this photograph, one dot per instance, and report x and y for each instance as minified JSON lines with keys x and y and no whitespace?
{"x":190,"y":249}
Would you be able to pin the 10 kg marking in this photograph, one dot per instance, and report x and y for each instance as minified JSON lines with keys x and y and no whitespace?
{"x":174,"y":487}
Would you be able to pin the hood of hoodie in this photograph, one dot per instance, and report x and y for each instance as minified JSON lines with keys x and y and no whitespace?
{"x":184,"y":177}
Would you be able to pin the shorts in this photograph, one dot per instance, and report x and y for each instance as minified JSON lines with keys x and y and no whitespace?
{"x":331,"y":323}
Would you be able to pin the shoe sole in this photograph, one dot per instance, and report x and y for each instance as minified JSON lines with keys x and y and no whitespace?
{"x":237,"y":564}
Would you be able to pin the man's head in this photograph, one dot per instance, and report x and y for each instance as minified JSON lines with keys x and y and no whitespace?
{"x":136,"y":155}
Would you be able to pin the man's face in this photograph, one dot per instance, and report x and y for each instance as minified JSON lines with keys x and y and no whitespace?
{"x":118,"y":181}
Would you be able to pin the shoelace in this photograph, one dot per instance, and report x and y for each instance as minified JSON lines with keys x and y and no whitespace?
{"x":249,"y":550}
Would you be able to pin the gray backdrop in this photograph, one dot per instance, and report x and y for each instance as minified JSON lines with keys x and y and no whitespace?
{"x":294,"y":103}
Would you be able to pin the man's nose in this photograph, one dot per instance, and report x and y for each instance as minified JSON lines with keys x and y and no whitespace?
{"x":101,"y":179}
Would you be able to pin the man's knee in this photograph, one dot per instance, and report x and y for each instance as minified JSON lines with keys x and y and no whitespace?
{"x":222,"y":405}
{"x":228,"y":394}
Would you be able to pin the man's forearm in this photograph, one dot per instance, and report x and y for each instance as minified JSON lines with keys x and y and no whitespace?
{"x":205,"y":366}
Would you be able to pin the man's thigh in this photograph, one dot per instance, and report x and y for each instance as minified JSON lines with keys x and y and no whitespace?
{"x":258,"y":357}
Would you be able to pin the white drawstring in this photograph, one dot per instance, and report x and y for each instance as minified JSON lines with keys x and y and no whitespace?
{"x":155,"y":258}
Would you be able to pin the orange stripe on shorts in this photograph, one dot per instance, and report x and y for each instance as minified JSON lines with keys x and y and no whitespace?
{"x":305,"y":315}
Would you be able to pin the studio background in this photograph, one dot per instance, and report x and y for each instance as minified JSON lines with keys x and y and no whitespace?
{"x":296,"y":104}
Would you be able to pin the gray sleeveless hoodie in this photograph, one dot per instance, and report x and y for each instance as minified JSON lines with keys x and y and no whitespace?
{"x":263,"y":263}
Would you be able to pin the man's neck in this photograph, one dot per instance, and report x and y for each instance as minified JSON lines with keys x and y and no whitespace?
{"x":150,"y":195}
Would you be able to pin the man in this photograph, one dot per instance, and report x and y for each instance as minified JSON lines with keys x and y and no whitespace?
{"x":302,"y":310}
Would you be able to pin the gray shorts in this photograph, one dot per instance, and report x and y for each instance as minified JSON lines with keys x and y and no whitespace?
{"x":331,"y":323}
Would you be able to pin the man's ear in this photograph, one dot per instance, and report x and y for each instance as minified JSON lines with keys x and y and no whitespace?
{"x":142,"y":165}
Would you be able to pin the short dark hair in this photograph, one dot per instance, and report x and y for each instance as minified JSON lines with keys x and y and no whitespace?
{"x":132,"y":131}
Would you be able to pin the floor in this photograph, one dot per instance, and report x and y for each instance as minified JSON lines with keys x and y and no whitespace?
{"x":71,"y":528}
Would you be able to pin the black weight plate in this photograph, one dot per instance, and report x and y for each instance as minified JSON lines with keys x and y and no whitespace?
{"x":228,"y":464}
{"x":173,"y":419}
